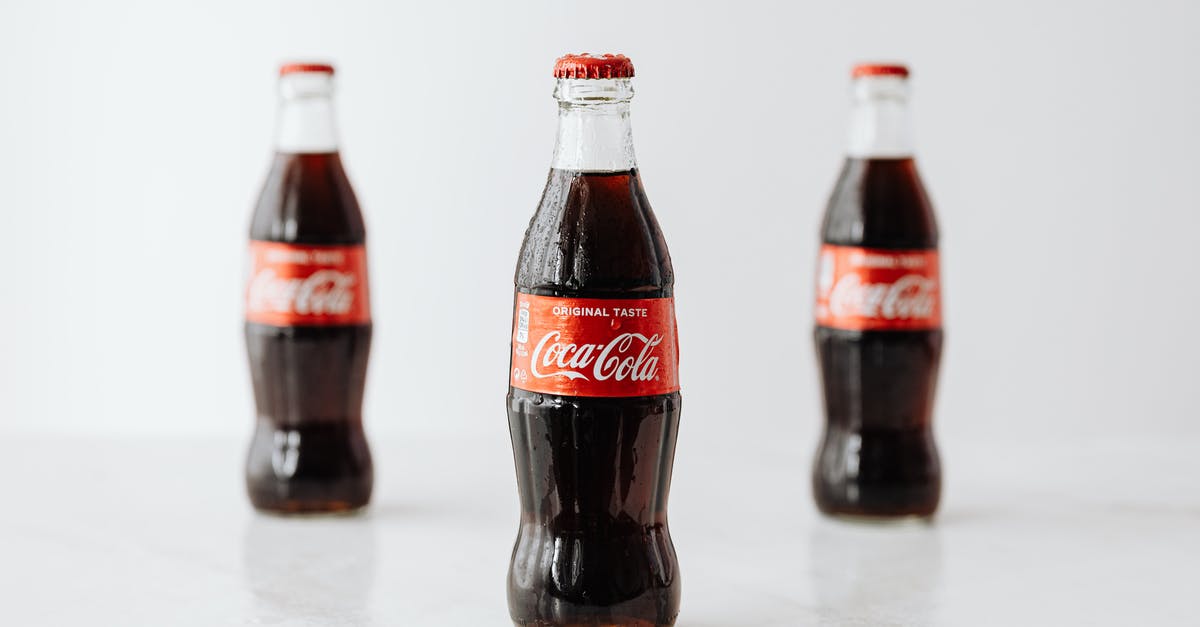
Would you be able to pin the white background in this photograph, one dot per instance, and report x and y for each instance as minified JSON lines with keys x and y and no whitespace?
{"x":1058,"y":141}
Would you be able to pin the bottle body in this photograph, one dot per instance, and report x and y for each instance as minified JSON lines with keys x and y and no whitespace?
{"x":593,"y":403}
{"x":594,"y":473}
{"x":878,"y":337}
{"x":308,"y":337}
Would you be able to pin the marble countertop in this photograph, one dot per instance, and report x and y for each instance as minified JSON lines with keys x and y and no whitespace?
{"x":158,"y":532}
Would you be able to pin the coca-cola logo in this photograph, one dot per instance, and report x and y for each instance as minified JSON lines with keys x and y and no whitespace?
{"x":626,"y":356}
{"x":324,"y":292}
{"x":910,"y":296}
{"x":594,"y":347}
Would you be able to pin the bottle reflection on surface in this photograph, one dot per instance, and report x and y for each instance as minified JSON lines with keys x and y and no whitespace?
{"x":310,"y":570}
{"x":873,"y":569}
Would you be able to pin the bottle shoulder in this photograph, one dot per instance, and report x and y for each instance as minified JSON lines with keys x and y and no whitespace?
{"x":594,"y":235}
{"x":307,"y":198}
{"x":880,"y":203}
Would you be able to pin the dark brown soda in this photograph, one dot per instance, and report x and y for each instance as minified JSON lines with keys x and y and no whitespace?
{"x":309,"y":452}
{"x":594,"y":473}
{"x":877,"y":457}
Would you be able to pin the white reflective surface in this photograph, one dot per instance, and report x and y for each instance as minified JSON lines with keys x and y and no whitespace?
{"x":158,"y":533}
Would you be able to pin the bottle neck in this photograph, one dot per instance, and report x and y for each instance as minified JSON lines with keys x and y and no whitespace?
{"x":880,"y":124}
{"x":594,"y":133}
{"x":305,"y":122}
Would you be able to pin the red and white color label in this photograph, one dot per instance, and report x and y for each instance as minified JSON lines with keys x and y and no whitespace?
{"x":300,"y":284}
{"x":870,"y":289}
{"x":595,"y":346}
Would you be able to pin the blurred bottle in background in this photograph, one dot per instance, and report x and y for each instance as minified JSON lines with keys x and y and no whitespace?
{"x":878,"y":317}
{"x":593,"y":398}
{"x":308,"y":316}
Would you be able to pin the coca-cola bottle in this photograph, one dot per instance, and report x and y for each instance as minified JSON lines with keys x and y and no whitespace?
{"x":878,"y":317}
{"x":308,"y":318}
{"x":593,"y":399}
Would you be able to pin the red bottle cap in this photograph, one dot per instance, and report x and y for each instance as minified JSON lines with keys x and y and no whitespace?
{"x":290,"y":68}
{"x":879,"y":69}
{"x":587,"y":65}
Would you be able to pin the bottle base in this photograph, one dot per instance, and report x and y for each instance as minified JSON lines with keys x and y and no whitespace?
{"x":881,"y":520}
{"x":311,"y":509}
{"x":311,"y":497}
{"x":877,"y":474}
{"x":322,"y":468}
{"x":609,"y":622}
{"x":880,"y":510}
{"x":881,"y":505}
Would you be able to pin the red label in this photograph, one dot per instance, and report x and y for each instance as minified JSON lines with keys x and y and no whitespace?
{"x":873,"y":289}
{"x":295,"y":284}
{"x":595,"y":346}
